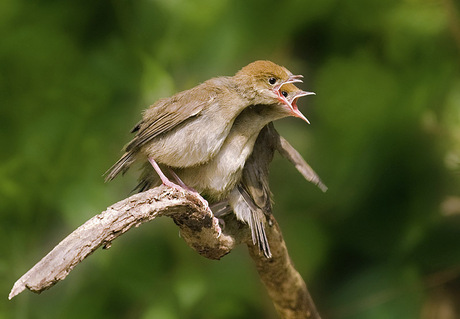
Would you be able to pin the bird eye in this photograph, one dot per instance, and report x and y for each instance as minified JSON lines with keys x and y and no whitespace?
{"x":272,"y":81}
{"x":284,"y":93}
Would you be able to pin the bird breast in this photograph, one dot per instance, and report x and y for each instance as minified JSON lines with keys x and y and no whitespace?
{"x":220,"y":175}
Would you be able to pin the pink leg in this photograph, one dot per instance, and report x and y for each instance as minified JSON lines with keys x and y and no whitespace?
{"x":190,"y":189}
{"x":163,"y":177}
{"x":182,"y":186}
{"x":179,"y":181}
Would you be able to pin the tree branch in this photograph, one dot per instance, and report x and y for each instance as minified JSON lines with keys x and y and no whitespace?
{"x":198,"y":227}
{"x":284,"y":284}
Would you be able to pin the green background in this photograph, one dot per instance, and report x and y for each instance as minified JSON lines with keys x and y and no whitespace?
{"x":383,"y":242}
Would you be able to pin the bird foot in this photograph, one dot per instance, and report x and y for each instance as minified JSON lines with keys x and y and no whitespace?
{"x":221,"y":225}
{"x":203,"y":201}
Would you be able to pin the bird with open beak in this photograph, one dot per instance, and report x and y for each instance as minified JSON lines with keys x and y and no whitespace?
{"x":250,"y":200}
{"x":218,"y":178}
{"x":189,"y":129}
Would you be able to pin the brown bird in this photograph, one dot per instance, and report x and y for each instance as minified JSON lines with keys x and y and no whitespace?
{"x":251,"y":199}
{"x":189,"y":128}
{"x":216,"y":178}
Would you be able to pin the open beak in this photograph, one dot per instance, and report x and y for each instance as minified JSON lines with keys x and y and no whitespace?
{"x":291,"y":102}
{"x":291,"y":79}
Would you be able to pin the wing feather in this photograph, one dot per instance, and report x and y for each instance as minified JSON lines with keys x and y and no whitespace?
{"x":168,"y":113}
{"x":162,"y":117}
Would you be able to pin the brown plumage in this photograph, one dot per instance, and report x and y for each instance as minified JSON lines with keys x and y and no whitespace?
{"x":189,"y":128}
{"x":251,"y":200}
{"x":218,"y":176}
{"x":206,"y":134}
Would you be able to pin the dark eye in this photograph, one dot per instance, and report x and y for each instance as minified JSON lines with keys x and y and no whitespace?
{"x":284,"y":93}
{"x":272,"y":81}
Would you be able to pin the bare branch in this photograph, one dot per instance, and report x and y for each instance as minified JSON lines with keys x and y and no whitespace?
{"x":198,"y":227}
{"x":284,"y":284}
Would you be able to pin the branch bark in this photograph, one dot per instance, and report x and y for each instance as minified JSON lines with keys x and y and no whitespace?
{"x":283,"y":282}
{"x":199,"y":228}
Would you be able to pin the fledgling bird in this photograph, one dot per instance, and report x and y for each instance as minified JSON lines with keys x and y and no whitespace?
{"x":189,"y":128}
{"x":250,"y":200}
{"x":216,"y":178}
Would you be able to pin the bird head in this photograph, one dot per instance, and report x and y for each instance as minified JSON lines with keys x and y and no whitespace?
{"x":288,"y":94}
{"x":261,"y":81}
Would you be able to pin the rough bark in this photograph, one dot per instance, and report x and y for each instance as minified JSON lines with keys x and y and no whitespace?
{"x":198,"y":227}
{"x":284,"y":284}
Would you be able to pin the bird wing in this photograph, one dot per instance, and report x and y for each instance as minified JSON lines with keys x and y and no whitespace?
{"x":255,"y":174}
{"x":168,"y":113}
{"x":163,"y":116}
{"x":254,"y":188}
{"x":290,"y":153}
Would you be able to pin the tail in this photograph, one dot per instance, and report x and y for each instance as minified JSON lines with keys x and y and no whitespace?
{"x":147,"y":180}
{"x":122,"y":165}
{"x":257,"y":225}
{"x":256,"y":219}
{"x":247,"y":211}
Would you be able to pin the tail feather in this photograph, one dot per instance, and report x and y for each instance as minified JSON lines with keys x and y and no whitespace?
{"x":247,"y":211}
{"x":259,"y":235}
{"x":121,"y":166}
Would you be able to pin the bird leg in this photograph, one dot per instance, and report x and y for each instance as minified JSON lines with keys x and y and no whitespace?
{"x":179,"y":181}
{"x":163,"y":177}
{"x":165,"y":180}
{"x":190,"y":189}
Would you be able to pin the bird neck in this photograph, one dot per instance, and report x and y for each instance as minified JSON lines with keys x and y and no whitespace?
{"x":255,"y":117}
{"x":244,"y":85}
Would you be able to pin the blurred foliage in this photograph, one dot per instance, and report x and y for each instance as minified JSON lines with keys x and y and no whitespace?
{"x":385,"y":137}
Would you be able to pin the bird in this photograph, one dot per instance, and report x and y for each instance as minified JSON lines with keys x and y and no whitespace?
{"x":216,"y":178}
{"x":250,"y":200}
{"x":189,"y":128}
